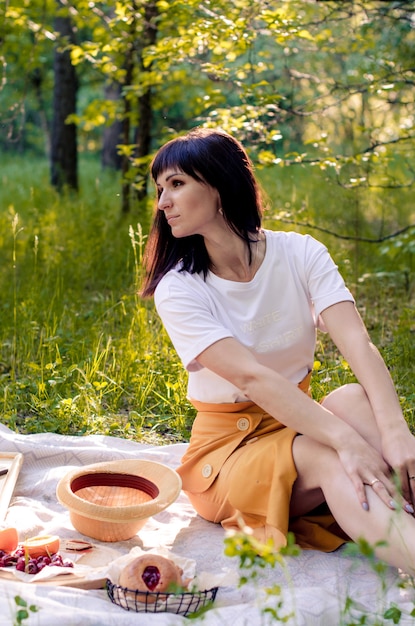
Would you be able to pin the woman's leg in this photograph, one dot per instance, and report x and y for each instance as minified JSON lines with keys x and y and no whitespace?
{"x":320,"y":471}
{"x":321,"y":477}
{"x":351,"y":403}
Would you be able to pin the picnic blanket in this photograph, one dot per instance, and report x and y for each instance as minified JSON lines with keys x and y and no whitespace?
{"x":316,"y":588}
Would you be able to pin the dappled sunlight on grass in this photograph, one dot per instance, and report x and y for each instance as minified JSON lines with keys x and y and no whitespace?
{"x":82,"y":353}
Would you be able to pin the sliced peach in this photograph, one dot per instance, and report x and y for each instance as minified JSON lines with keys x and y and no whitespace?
{"x":8,"y":539}
{"x":42,"y":545}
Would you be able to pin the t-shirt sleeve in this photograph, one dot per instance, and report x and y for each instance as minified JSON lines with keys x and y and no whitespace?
{"x":187,"y":315}
{"x":325,"y":284}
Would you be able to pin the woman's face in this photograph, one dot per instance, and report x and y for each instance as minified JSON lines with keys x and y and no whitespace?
{"x":190,"y":207}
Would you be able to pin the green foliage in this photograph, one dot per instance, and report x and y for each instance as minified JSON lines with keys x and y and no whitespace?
{"x":23,"y":610}
{"x":81,"y":353}
{"x":253,"y":553}
{"x":255,"y":556}
{"x":322,"y":84}
{"x":401,"y":250}
{"x":26,"y":75}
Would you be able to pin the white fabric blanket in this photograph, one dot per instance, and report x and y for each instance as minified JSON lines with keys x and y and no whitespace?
{"x":314,"y":590}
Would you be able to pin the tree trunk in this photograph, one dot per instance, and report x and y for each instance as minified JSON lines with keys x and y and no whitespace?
{"x":145,"y":109}
{"x":112,"y":135}
{"x":37,"y":82}
{"x":133,"y":60}
{"x":64,"y":153}
{"x":125,"y":134}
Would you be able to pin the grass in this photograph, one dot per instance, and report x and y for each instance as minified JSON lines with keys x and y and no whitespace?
{"x":81,"y":353}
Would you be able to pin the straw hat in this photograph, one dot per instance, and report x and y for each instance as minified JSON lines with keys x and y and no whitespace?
{"x":112,"y":501}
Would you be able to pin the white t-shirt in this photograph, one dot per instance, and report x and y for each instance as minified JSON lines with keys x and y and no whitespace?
{"x":275,"y":314}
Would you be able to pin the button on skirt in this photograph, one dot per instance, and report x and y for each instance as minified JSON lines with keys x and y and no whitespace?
{"x":251,"y":476}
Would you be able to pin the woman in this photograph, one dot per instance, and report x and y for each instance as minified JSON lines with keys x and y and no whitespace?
{"x":241,"y":305}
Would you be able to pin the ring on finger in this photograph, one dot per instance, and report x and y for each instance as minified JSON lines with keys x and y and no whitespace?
{"x":412,"y":478}
{"x":375,"y":480}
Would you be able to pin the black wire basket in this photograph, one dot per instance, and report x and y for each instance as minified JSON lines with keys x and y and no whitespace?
{"x":184,"y":603}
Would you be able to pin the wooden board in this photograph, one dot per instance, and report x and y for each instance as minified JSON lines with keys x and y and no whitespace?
{"x":12,"y":462}
{"x":64,"y":580}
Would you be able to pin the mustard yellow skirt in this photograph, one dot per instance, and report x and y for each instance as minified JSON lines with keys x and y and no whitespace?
{"x":239,"y":469}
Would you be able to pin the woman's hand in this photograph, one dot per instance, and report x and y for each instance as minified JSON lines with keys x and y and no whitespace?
{"x":398,"y":449}
{"x":348,"y":332}
{"x":368,"y":470}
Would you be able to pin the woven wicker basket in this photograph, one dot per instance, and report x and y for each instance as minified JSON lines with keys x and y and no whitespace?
{"x":112,"y":501}
{"x":148,"y":602}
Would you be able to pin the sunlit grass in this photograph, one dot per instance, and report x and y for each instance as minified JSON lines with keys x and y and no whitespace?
{"x":81,"y":353}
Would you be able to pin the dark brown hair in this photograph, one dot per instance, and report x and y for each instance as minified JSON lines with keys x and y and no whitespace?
{"x":217,"y":159}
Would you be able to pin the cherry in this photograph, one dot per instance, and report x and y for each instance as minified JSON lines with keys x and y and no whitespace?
{"x":21,"y":564}
{"x":151,"y":577}
{"x":31,"y":565}
{"x":6,"y":560}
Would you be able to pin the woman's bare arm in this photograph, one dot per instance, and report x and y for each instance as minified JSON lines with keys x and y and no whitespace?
{"x":284,"y":401}
{"x":348,"y":332}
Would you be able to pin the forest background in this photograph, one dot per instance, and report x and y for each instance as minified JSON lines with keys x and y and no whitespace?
{"x":321,"y":94}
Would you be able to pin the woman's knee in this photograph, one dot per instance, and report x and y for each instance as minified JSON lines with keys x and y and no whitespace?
{"x":346,"y":397}
{"x":351,"y":404}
